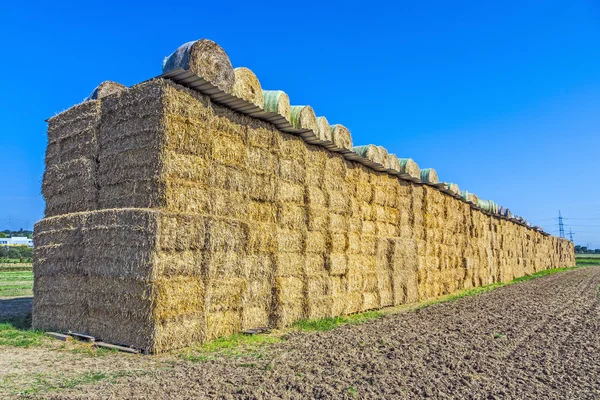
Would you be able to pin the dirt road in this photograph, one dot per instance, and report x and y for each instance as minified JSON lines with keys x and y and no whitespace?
{"x":537,"y":339}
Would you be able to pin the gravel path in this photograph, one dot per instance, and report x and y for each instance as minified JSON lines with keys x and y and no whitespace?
{"x":537,"y":339}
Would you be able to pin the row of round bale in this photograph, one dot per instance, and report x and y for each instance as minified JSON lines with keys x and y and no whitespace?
{"x":208,"y":60}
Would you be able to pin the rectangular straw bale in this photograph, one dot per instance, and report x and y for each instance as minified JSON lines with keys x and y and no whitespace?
{"x":351,"y":303}
{"x":222,"y":323}
{"x":60,"y":318}
{"x":70,"y":187}
{"x":293,"y":148}
{"x":337,"y":263}
{"x":228,"y":123}
{"x":290,"y":264}
{"x":179,"y":296}
{"x":182,"y":101}
{"x":225,"y":203}
{"x":259,"y":211}
{"x":291,"y":216}
{"x":230,"y":150}
{"x":315,"y":264}
{"x":83,"y":144}
{"x":319,"y":307}
{"x":224,"y":235}
{"x":182,"y":262}
{"x":292,"y":171}
{"x":198,"y":170}
{"x":179,"y":332}
{"x":338,"y":223}
{"x":262,"y":161}
{"x":290,"y":300}
{"x":291,"y":241}
{"x":255,"y":317}
{"x":181,"y":232}
{"x":225,"y":293}
{"x":370,"y":301}
{"x":262,"y":238}
{"x":291,"y":192}
{"x":317,"y":218}
{"x":73,"y":121}
{"x":335,"y":178}
{"x":317,"y":242}
{"x":184,"y":135}
{"x":338,"y":201}
{"x":338,"y":285}
{"x":264,"y":135}
{"x":405,"y":286}
{"x":125,"y":328}
{"x":316,"y":158}
{"x":225,"y":264}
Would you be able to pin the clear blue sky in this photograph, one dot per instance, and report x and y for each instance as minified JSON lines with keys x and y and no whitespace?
{"x":503,"y":99}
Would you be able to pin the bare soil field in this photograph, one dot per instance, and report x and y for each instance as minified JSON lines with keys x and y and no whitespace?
{"x":535,"y":339}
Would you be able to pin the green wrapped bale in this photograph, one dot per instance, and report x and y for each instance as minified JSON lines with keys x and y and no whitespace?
{"x":408,"y":166}
{"x":277,"y":101}
{"x":372,"y":152}
{"x":428,"y":175}
{"x":303,"y":117}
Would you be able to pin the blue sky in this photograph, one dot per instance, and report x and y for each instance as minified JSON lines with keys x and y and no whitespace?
{"x":502,"y":98}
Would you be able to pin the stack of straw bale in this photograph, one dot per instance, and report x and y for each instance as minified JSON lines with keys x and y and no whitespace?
{"x":171,"y":220}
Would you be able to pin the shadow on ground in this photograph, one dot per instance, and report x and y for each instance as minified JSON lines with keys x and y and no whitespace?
{"x":16,"y":311}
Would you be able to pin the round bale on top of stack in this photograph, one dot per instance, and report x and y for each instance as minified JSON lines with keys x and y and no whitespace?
{"x":104,"y":89}
{"x":247,"y":87}
{"x":410,"y":167}
{"x":428,"y":175}
{"x":303,"y":117}
{"x":206,"y":59}
{"x":278,"y":102}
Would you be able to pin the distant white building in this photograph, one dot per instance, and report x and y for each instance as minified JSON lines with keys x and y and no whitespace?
{"x":16,"y":241}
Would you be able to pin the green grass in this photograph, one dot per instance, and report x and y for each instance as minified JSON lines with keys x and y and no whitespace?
{"x":18,"y":334}
{"x":582,"y":261}
{"x":327,"y":324}
{"x":237,"y":345}
{"x":16,"y":283}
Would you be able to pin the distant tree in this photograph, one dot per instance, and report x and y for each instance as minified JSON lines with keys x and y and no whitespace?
{"x":2,"y":235}
{"x":584,"y":249}
{"x":14,"y":253}
{"x":578,"y":249}
{"x":597,"y":251}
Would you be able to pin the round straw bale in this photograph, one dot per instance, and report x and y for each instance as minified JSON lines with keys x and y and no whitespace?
{"x":341,"y":136}
{"x":371,"y":152}
{"x":277,"y":101}
{"x":206,"y":59}
{"x":472,"y":198}
{"x":392,"y":162}
{"x":303,"y":117}
{"x":324,"y":129}
{"x":429,"y":175}
{"x":247,"y":86}
{"x":408,"y":166}
{"x":453,"y":187}
{"x":106,"y":88}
